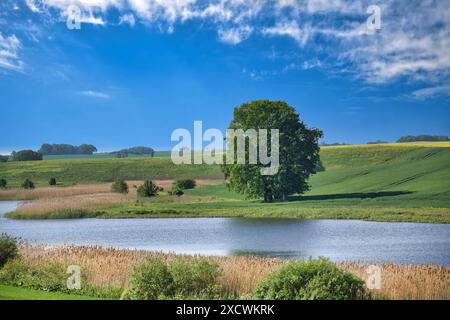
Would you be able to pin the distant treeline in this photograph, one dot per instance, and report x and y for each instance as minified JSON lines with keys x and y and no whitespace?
{"x":324,"y":144}
{"x":377,"y":142}
{"x":64,"y":149}
{"x":135,"y":151}
{"x":423,"y":137}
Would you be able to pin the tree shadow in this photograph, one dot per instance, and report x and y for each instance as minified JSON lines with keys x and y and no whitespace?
{"x":357,"y":195}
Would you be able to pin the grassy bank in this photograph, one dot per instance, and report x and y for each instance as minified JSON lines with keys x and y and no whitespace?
{"x":15,"y":293}
{"x":103,"y":268}
{"x":381,"y":183}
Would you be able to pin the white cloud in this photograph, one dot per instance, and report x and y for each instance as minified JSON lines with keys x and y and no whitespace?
{"x":95,"y":94}
{"x":128,"y":19}
{"x":235,"y":35}
{"x":431,"y":92}
{"x":32,"y":5}
{"x":290,"y":29}
{"x":9,"y":53}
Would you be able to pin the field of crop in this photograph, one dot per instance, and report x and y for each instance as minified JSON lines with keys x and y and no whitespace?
{"x":383,"y":183}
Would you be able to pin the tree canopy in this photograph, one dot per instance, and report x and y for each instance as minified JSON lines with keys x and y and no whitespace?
{"x":298,"y":152}
{"x":123,"y":153}
{"x":422,"y":137}
{"x":62,"y":149}
{"x":26,"y":155}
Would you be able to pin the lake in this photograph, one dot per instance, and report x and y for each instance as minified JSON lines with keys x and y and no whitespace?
{"x":339,"y":240}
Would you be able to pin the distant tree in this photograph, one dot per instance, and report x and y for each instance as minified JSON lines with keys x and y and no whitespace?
{"x":423,"y":137}
{"x":28,"y":184}
{"x":377,"y":142}
{"x":3,"y":184}
{"x":3,"y":158}
{"x":26,"y":155}
{"x":122,"y":154}
{"x":325,"y":144}
{"x":52,"y":182}
{"x":148,"y":189}
{"x":142,"y":151}
{"x":119,"y":186}
{"x":63,"y":149}
{"x":299,"y":152}
{"x":185,"y":184}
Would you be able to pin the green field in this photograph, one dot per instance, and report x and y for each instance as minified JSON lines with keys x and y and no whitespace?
{"x":14,"y":293}
{"x":383,"y":183}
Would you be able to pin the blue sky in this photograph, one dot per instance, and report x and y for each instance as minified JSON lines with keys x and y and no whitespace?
{"x":139,"y":69}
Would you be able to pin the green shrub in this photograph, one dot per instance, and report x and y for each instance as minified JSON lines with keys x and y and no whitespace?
{"x":50,"y":277}
{"x":148,"y":189}
{"x":309,"y":280}
{"x":3,"y":184}
{"x":8,"y":249}
{"x":28,"y":184}
{"x":185,"y":184}
{"x":119,"y":186}
{"x":195,"y":277}
{"x":181,"y":279}
{"x":176,"y":191}
{"x":52,"y":182}
{"x":150,"y":280}
{"x":19,"y":273}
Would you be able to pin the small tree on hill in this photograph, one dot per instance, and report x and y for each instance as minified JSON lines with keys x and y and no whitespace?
{"x":119,"y":186}
{"x":28,"y":184}
{"x":185,"y":184}
{"x":148,"y":189}
{"x":52,"y":182}
{"x":3,"y":183}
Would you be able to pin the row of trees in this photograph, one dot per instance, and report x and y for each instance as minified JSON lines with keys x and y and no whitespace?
{"x":423,"y":137}
{"x":26,"y":184}
{"x":64,"y":149}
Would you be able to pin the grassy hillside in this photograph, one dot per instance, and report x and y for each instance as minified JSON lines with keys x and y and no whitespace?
{"x":385,"y":183}
{"x":70,"y":171}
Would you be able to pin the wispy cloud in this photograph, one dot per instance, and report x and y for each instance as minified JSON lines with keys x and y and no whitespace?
{"x":235,"y":35}
{"x":9,"y":53}
{"x":431,"y":92}
{"x":95,"y":94}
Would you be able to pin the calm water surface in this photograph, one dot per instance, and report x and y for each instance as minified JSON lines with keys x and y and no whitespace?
{"x":337,"y":239}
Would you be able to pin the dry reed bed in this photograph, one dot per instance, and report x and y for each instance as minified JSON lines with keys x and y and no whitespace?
{"x":108,"y":266}
{"x":78,"y":197}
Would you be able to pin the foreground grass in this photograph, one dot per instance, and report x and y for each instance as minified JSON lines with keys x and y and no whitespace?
{"x":14,"y":293}
{"x":103,"y":267}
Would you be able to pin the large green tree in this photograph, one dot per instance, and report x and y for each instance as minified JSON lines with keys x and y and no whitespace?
{"x":298,"y":152}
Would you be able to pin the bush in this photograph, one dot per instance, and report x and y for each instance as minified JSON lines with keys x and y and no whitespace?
{"x":309,"y":280}
{"x":150,"y":280}
{"x":183,"y":278}
{"x":8,"y":249}
{"x":185,"y":184}
{"x":194,"y":277}
{"x":50,"y":277}
{"x":3,"y":184}
{"x":28,"y":184}
{"x":148,"y":189}
{"x":176,"y":191}
{"x":52,"y":182}
{"x":19,"y":273}
{"x":119,"y":186}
